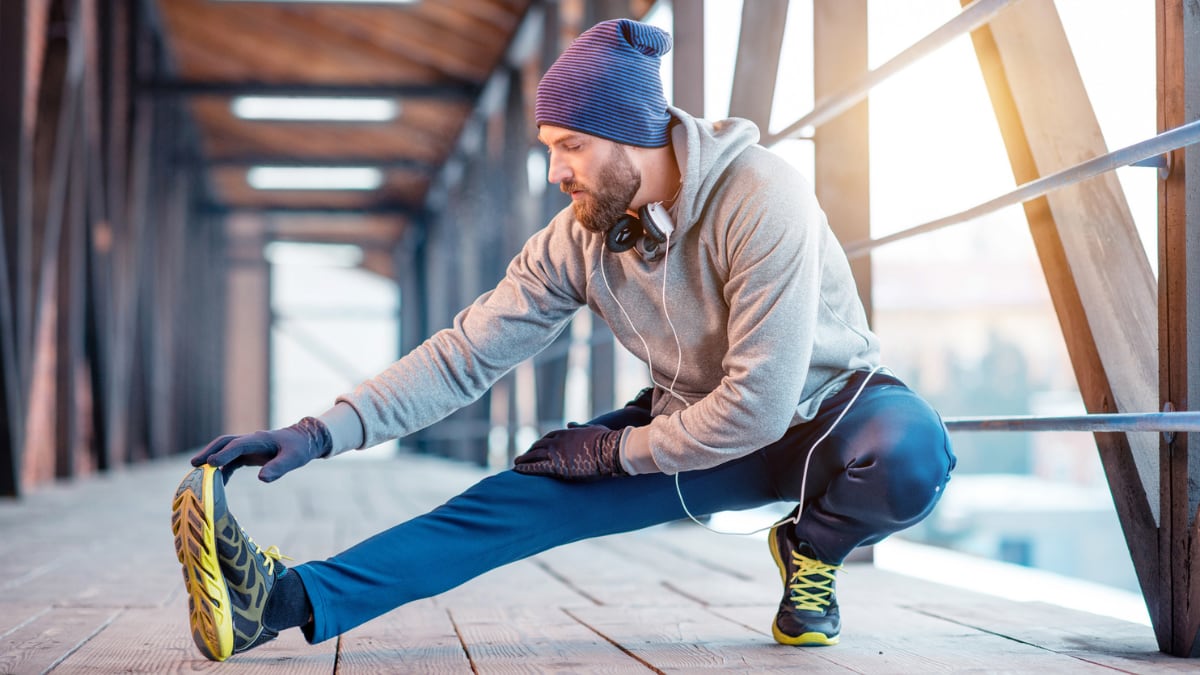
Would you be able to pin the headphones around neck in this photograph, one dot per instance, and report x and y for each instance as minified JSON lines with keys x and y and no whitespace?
{"x":644,"y":231}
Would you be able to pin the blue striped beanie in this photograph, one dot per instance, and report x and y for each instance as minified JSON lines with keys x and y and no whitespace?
{"x":606,"y":84}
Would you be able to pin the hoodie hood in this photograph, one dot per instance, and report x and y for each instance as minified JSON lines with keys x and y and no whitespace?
{"x":713,"y":147}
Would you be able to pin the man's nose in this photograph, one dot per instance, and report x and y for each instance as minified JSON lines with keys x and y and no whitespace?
{"x":558,"y":171}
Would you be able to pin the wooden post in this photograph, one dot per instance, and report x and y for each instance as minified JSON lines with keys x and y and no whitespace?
{"x":1178,"y":625}
{"x":1098,"y":275}
{"x":14,"y":197}
{"x":248,"y":328}
{"x":842,"y":164}
{"x":687,"y":64}
{"x":757,"y":65}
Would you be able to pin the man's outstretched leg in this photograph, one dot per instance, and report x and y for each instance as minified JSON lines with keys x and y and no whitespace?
{"x":241,"y":596}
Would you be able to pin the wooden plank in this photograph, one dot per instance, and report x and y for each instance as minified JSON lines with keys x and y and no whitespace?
{"x":1115,"y":644}
{"x":39,"y":645}
{"x":694,"y":639}
{"x":757,"y":66}
{"x":418,"y":637}
{"x":515,"y":618}
{"x":889,"y":638}
{"x":157,"y":641}
{"x":513,"y":586}
{"x":17,"y":614}
{"x":534,"y":640}
{"x":1083,"y":234}
{"x":607,"y":578}
{"x":689,"y":576}
{"x":746,"y":556}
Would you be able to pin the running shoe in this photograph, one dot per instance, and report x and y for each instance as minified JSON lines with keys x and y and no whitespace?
{"x":228,"y":578}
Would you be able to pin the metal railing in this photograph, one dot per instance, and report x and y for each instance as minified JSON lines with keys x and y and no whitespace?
{"x":1151,"y":152}
{"x":1105,"y":422}
{"x":1179,"y":137}
{"x":971,"y":17}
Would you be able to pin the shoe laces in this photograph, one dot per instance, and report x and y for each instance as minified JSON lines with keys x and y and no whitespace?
{"x":812,"y":583}
{"x":271,"y":553}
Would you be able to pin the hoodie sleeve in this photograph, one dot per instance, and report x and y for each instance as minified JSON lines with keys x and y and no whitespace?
{"x":530,"y":306}
{"x":771,"y":239}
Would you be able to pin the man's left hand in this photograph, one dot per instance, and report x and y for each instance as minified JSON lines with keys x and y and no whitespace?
{"x":579,"y":452}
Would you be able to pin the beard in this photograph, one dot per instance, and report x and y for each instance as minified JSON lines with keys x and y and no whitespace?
{"x":616,"y":184}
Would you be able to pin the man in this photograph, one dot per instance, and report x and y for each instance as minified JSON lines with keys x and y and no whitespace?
{"x":736,"y":295}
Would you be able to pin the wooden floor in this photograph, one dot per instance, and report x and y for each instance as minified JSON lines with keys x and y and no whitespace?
{"x":89,"y":583}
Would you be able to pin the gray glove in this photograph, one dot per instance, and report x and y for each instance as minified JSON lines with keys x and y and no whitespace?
{"x":277,"y":452}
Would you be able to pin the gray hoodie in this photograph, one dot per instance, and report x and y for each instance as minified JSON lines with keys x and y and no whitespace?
{"x":758,"y":292}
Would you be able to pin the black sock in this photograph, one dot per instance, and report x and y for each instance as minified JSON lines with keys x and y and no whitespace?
{"x":288,"y":605}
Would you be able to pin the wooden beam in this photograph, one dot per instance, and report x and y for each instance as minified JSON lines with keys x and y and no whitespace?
{"x":14,"y":197}
{"x":248,"y":328}
{"x":449,"y":91}
{"x":687,"y":65}
{"x":1096,"y":269}
{"x":397,"y":163}
{"x":842,"y":163}
{"x":757,"y":66}
{"x":68,"y":300}
{"x":1179,"y":324}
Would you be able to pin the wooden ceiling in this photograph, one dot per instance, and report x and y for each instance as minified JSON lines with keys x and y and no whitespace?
{"x":433,"y":55}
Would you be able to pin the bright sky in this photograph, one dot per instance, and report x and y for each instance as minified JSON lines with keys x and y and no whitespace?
{"x":935,"y":147}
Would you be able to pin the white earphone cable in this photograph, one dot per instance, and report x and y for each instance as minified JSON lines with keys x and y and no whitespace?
{"x":803,"y":476}
{"x":671,"y":389}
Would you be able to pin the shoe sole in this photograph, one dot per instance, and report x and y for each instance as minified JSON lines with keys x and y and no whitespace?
{"x":810,"y":639}
{"x":196,"y":547}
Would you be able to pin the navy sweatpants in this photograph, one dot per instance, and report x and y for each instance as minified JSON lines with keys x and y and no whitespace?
{"x":881,"y":470}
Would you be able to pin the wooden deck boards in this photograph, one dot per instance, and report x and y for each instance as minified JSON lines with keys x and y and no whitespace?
{"x":89,"y":583}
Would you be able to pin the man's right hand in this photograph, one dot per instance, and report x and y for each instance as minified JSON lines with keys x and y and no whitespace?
{"x":277,"y":452}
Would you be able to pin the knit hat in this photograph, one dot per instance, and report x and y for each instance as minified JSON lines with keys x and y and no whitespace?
{"x":606,"y":84}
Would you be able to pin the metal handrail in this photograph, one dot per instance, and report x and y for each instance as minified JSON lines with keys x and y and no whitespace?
{"x":971,"y":17}
{"x":1179,"y":137}
{"x":1109,"y":422}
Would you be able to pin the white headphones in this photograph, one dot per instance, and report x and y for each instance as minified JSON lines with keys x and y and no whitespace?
{"x":645,"y":231}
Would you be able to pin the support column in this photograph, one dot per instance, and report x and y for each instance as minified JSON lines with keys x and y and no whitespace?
{"x":1178,"y":621}
{"x":248,"y":328}
{"x":1096,"y":270}
{"x":757,"y":66}
{"x":842,"y":164}
{"x":687,"y":65}
{"x":14,"y":196}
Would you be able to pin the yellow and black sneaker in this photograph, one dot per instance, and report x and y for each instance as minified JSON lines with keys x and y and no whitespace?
{"x":228,"y":578}
{"x":808,"y":613}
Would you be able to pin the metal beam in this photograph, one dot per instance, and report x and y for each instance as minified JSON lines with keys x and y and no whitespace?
{"x":1178,"y":28}
{"x":757,"y":66}
{"x":1098,"y":276}
{"x":449,"y":91}
{"x":1149,"y":152}
{"x":1166,"y":422}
